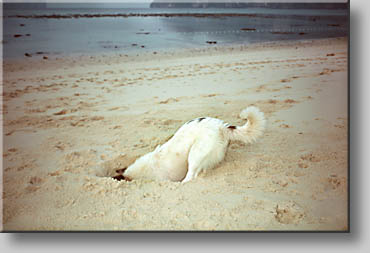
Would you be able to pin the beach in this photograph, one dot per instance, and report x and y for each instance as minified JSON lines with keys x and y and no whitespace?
{"x":70,"y":121}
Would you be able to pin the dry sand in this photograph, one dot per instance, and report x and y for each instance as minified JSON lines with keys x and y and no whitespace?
{"x":69,"y":122}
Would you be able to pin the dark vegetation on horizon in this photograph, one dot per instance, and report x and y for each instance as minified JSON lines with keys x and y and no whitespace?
{"x":159,"y":4}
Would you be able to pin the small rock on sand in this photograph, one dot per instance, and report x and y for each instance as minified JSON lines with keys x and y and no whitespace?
{"x":62,"y":112}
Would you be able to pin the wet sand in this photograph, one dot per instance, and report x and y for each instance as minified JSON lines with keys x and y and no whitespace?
{"x":71,"y":121}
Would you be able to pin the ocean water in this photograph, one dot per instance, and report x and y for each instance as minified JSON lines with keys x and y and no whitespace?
{"x":135,"y":34}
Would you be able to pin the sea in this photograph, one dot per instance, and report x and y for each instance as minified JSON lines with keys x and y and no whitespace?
{"x":85,"y":29}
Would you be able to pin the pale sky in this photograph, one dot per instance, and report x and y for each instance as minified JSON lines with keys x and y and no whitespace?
{"x":149,"y":1}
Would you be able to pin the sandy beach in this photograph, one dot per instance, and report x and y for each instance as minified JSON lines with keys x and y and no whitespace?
{"x":70,"y":121}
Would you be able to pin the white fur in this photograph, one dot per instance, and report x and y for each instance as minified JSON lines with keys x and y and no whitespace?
{"x":198,"y":145}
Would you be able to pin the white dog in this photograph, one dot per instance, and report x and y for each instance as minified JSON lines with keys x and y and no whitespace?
{"x":198,"y":145}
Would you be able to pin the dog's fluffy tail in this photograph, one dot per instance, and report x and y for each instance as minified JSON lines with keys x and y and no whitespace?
{"x":252,"y":129}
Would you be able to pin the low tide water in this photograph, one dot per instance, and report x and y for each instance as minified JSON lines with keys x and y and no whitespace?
{"x":63,"y":31}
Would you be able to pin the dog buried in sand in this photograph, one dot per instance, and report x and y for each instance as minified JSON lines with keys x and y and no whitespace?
{"x":198,"y":145}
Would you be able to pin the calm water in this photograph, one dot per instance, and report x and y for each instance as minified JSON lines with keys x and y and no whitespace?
{"x":137,"y":34}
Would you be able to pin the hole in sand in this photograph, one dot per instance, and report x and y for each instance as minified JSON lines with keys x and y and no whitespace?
{"x":115,"y":167}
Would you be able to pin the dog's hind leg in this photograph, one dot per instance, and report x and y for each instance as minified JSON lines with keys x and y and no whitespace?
{"x":193,"y":171}
{"x":195,"y":159}
{"x":202,"y":155}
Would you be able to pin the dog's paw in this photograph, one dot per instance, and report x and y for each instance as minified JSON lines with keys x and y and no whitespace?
{"x":186,"y":179}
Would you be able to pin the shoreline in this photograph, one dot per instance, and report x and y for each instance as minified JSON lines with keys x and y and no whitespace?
{"x":69,"y":123}
{"x":142,"y":55}
{"x":139,"y":52}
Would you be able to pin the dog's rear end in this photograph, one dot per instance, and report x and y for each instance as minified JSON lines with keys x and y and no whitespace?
{"x":207,"y":154}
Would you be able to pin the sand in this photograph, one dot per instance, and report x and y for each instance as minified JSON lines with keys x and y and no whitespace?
{"x":71,"y":121}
